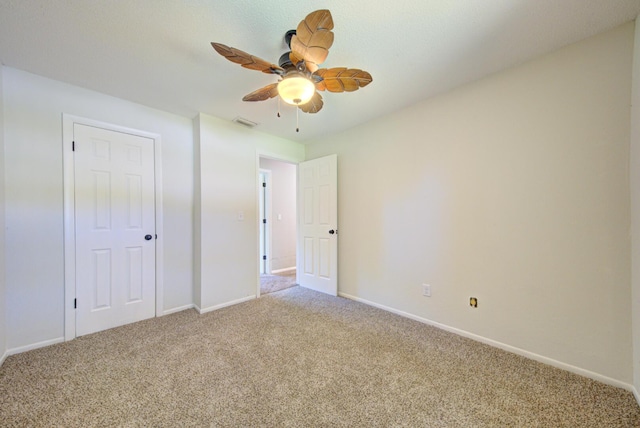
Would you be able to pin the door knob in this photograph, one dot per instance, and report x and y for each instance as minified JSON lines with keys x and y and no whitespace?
{"x":331,"y":232}
{"x":148,"y":237}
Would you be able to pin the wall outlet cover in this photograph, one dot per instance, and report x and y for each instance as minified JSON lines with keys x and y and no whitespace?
{"x":426,"y":290}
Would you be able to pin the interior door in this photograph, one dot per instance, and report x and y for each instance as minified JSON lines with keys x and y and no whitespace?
{"x":317,"y":261}
{"x":115,"y":228}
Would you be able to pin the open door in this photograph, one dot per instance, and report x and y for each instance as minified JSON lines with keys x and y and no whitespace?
{"x":317,"y":261}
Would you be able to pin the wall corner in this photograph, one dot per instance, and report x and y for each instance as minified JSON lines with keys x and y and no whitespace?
{"x":197,"y":214}
{"x":3,"y":288}
{"x":634,"y":177}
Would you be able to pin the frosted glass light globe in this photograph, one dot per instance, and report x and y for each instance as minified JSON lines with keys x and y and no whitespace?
{"x":296,"y":90}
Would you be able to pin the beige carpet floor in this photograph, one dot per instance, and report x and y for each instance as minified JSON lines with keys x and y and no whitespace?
{"x":277,"y":282}
{"x":296,"y":358}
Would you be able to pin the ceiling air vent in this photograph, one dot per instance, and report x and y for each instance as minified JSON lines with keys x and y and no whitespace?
{"x":244,"y":122}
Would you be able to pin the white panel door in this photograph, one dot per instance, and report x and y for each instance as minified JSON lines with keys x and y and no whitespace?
{"x":115,"y":228}
{"x":317,"y":264}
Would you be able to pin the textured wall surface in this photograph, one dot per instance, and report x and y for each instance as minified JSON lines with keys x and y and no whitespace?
{"x":514,"y":190}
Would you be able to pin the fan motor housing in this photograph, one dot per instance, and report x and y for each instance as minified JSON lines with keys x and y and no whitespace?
{"x":288,"y":36}
{"x":285,"y":61}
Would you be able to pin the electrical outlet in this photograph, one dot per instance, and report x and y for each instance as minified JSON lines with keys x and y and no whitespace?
{"x":473,"y":302}
{"x":426,"y":290}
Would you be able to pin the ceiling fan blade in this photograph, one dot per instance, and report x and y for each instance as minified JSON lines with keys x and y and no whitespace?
{"x":342,"y":79}
{"x":262,"y":94}
{"x":246,"y":60}
{"x":313,"y":39}
{"x":314,"y":105}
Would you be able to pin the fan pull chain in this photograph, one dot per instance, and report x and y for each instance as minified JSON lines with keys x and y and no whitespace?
{"x":297,"y":115}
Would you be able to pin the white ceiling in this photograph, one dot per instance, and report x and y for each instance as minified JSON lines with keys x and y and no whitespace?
{"x":158,"y":52}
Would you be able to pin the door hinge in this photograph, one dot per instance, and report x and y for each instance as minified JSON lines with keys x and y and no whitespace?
{"x":264,"y":184}
{"x":75,"y":303}
{"x":264,"y":257}
{"x":264,"y":220}
{"x":73,"y":146}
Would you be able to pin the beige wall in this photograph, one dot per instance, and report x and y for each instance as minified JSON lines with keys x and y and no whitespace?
{"x":34,"y":198}
{"x":3,"y":305}
{"x":635,"y":211}
{"x":283,"y":213}
{"x":514,"y":190}
{"x":226,"y":248}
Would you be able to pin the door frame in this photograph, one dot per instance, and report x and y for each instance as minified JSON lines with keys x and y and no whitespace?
{"x":69,"y":222}
{"x":267,"y":215}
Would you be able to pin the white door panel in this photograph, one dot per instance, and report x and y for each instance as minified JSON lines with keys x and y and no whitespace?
{"x":318,"y":224}
{"x":115,"y":209}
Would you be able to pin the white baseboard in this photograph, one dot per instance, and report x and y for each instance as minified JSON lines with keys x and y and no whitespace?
{"x":289,"y":269}
{"x":21,"y":349}
{"x":3,"y":357}
{"x":223,"y":305}
{"x":178,"y":309}
{"x":503,"y":346}
{"x":636,"y":394}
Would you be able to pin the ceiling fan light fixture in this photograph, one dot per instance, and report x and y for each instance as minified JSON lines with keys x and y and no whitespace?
{"x":300,"y":78}
{"x":296,"y":90}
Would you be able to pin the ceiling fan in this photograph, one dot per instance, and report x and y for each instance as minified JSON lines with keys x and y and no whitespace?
{"x":300,"y":77}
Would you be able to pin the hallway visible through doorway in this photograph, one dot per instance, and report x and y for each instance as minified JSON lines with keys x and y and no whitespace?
{"x":278,"y":225}
{"x":277,"y":281}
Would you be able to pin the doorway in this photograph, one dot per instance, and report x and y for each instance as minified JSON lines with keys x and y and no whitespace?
{"x":278,"y":225}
